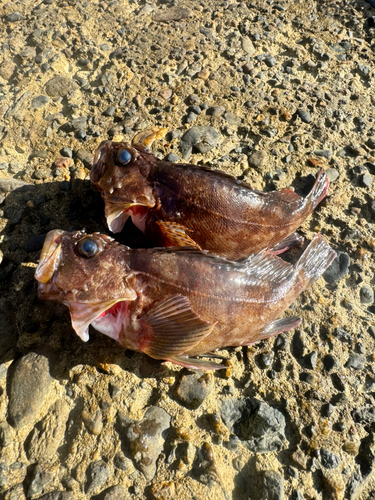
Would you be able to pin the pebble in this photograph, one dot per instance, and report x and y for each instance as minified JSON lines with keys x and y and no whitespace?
{"x":97,"y":474}
{"x":60,"y":86}
{"x":172,"y":14}
{"x":39,"y":101}
{"x":172,"y":157}
{"x":9,"y":185}
{"x":326,"y":153}
{"x":328,"y":459}
{"x":93,"y":421}
{"x":260,"y":426}
{"x":247,"y":45}
{"x":45,"y":438}
{"x":29,"y":387}
{"x":338,"y":269}
{"x":366,"y":180}
{"x":145,"y":439}
{"x":272,"y":486}
{"x":366,"y":295}
{"x":86,"y":158}
{"x":232,"y":119}
{"x":194,"y":387}
{"x":40,"y":479}
{"x":66,"y":152}
{"x":311,"y":360}
{"x":257,"y":159}
{"x":356,"y":361}
{"x":200,"y":139}
{"x":14,"y":17}
{"x":215,"y":111}
{"x":118,"y":492}
{"x":110,"y":111}
{"x":270,"y":62}
{"x":332,"y":174}
{"x":304,"y":115}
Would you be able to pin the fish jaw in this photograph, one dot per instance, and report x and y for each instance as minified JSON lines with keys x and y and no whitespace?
{"x":117,"y":215}
{"x":50,"y":256}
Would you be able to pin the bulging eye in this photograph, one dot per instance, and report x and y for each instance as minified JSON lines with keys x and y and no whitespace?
{"x":87,"y":248}
{"x":123,"y":156}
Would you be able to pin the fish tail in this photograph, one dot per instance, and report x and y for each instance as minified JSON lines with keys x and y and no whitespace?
{"x":315,"y":260}
{"x":319,"y":190}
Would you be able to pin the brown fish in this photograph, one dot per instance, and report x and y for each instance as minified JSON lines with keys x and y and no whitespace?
{"x":177,"y":204}
{"x":173,"y":303}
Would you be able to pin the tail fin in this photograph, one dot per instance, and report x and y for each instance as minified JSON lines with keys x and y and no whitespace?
{"x":315,"y":259}
{"x":319,"y":189}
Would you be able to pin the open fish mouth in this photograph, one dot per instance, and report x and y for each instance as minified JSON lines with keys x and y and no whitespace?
{"x":117,"y":215}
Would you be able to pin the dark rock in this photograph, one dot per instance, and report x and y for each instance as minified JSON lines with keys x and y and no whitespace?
{"x":190,"y":117}
{"x":311,"y":360}
{"x":66,"y":152}
{"x":79,"y":123}
{"x":145,"y":439}
{"x":340,"y":399}
{"x":97,"y":474}
{"x":47,"y":435}
{"x":270,"y":61}
{"x":356,"y":361}
{"x":343,"y":336}
{"x":259,"y":425}
{"x":40,"y":478}
{"x":39,"y":101}
{"x":328,"y":459}
{"x":205,"y":467}
{"x":14,"y":17}
{"x":216,"y":111}
{"x":338,"y":269}
{"x":109,"y":111}
{"x":86,"y":158}
{"x":304,"y":115}
{"x":172,"y":14}
{"x":326,"y":153}
{"x":118,"y":492}
{"x":28,"y":388}
{"x":199,"y":139}
{"x":172,"y":157}
{"x":366,"y":295}
{"x":272,"y":486}
{"x":60,"y":86}
{"x":194,"y":387}
{"x":327,"y":410}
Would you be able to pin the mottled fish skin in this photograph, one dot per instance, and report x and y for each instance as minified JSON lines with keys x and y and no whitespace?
{"x":177,"y":204}
{"x":173,"y":303}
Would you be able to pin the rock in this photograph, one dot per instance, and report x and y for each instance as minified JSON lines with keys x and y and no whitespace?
{"x":47,"y":435}
{"x":194,"y":387}
{"x":60,"y":86}
{"x":93,"y":422}
{"x":273,"y":486}
{"x":40,"y":478}
{"x":366,"y":180}
{"x":6,"y":435}
{"x":39,"y":101}
{"x":66,"y":152}
{"x":118,"y":492}
{"x":145,"y":439}
{"x":97,"y":474}
{"x":86,"y":158}
{"x":199,"y":139}
{"x":332,"y":174}
{"x":172,"y":157}
{"x":163,"y":491}
{"x":356,"y":361}
{"x":14,"y":17}
{"x":338,"y":269}
{"x":259,"y":425}
{"x":9,"y":185}
{"x":29,"y":387}
{"x":233,"y":119}
{"x":366,"y":295}
{"x":110,"y":111}
{"x":215,"y":111}
{"x":364,"y":415}
{"x":257,"y":159}
{"x":172,"y":14}
{"x":328,"y":459}
{"x":205,"y":467}
{"x":7,"y":68}
{"x":247,"y":45}
{"x":270,"y":62}
{"x":304,"y":115}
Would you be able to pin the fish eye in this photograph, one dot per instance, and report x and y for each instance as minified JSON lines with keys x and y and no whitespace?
{"x":87,"y":248}
{"x":123,"y":156}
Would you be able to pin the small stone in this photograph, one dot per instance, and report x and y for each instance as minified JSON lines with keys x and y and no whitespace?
{"x":271,"y":61}
{"x":109,"y":111}
{"x":356,"y":361}
{"x":366,"y":295}
{"x":7,"y":68}
{"x":166,"y":93}
{"x":199,"y":139}
{"x":93,"y":421}
{"x":172,"y":14}
{"x":29,"y":387}
{"x":86,"y":158}
{"x":194,"y":387}
{"x":190,"y":117}
{"x":97,"y":474}
{"x":67,"y":152}
{"x":215,"y":111}
{"x":172,"y":157}
{"x":328,"y":459}
{"x":304,"y":115}
{"x":145,"y":439}
{"x":118,"y":492}
{"x":311,"y":360}
{"x":233,"y":119}
{"x":332,"y":174}
{"x":39,"y":101}
{"x":40,"y":478}
{"x":6,"y":435}
{"x":60,"y":86}
{"x":257,"y":159}
{"x":273,"y":486}
{"x":326,"y":153}
{"x":14,"y":17}
{"x":122,"y":462}
{"x":247,"y":45}
{"x":338,"y":269}
{"x":366,"y":180}
{"x":79,"y":123}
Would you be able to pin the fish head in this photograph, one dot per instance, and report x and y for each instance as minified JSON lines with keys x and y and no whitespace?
{"x":87,"y":273}
{"x":121,"y":174}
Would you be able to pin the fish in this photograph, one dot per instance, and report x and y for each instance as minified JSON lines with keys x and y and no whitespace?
{"x":174,"y":304}
{"x":178,"y":204}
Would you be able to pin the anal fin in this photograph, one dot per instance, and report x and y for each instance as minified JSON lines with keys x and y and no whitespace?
{"x":175,"y":235}
{"x":176,"y":328}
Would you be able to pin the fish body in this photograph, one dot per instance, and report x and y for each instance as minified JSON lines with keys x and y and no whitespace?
{"x":188,"y":205}
{"x":173,"y":303}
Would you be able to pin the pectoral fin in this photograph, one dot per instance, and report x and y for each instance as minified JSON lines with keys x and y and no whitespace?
{"x":280,"y":326}
{"x":176,"y":328}
{"x":175,"y":235}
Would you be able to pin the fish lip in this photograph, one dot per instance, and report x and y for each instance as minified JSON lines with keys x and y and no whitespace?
{"x":49,"y":257}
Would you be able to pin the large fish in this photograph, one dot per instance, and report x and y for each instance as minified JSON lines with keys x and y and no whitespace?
{"x":177,"y":204}
{"x":173,"y":303}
